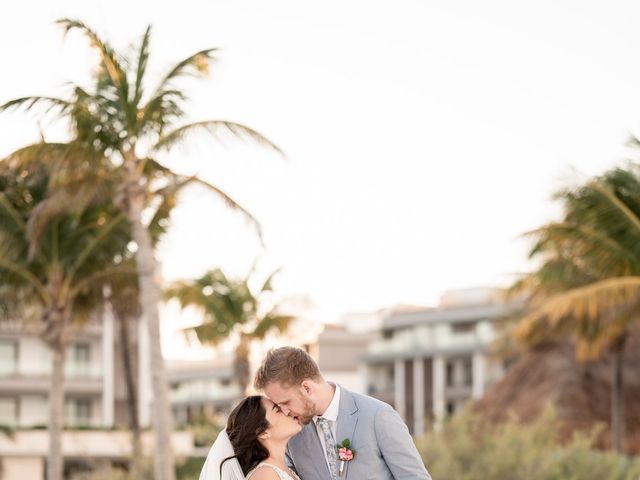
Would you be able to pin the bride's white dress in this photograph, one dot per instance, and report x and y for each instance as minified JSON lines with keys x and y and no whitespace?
{"x":231,"y":470}
{"x":281,"y":473}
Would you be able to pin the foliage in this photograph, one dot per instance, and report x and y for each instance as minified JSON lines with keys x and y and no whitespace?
{"x":104,"y":470}
{"x":588,"y":284}
{"x":469,"y":448}
{"x":59,"y":259}
{"x":189,"y":468}
{"x":231,"y":308}
{"x":129,"y":123}
{"x":205,"y":430}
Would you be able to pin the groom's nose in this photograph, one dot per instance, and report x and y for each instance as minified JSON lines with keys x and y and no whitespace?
{"x":286,"y":410}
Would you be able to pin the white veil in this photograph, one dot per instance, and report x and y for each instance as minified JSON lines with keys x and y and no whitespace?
{"x":220,"y":450}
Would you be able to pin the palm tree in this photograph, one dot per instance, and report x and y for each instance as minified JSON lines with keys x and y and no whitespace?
{"x":124,"y":298}
{"x":55,"y":262}
{"x":123,"y":120}
{"x":231,"y":309}
{"x":588,"y":285}
{"x":124,"y":301}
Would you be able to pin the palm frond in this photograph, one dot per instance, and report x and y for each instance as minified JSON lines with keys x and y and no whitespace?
{"x":26,"y":275}
{"x":230,"y":202}
{"x":52,"y":154}
{"x":167,"y":201}
{"x":101,"y":236}
{"x":143,"y":59}
{"x":116,"y":74}
{"x":9,"y":215}
{"x":267,"y":286}
{"x":195,"y":64}
{"x":633,"y":142}
{"x":272,"y":322}
{"x":51,"y":103}
{"x":588,"y":311}
{"x":59,"y":204}
{"x":593,"y":246}
{"x":102,"y":276}
{"x":161,"y":111}
{"x":108,"y":56}
{"x":228,"y":306}
{"x":631,"y":217}
{"x":75,"y":177}
{"x":216,"y":128}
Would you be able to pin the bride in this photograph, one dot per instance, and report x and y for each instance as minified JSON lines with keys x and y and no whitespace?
{"x":253,"y":444}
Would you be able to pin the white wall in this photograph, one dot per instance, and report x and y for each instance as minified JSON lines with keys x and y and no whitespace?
{"x":34,"y":410}
{"x":34,"y":358}
{"x":352,"y":381}
{"x":19,"y":468}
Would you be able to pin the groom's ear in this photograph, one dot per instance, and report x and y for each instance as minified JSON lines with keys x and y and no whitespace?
{"x":306,"y":387}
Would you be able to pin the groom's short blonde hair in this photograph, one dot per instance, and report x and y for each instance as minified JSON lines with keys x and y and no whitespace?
{"x":288,"y":366}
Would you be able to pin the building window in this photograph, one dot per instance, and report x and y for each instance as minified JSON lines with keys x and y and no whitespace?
{"x":8,"y":411}
{"x":463,"y":327}
{"x":82,"y":411}
{"x":468,"y":371}
{"x":451,"y":380}
{"x":82,"y":352}
{"x":78,"y":411}
{"x":81,"y":359}
{"x":451,"y":408}
{"x":8,"y":357}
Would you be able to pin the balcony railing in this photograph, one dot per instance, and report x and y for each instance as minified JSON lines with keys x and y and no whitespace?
{"x":8,"y":369}
{"x":83,"y":370}
{"x":432,"y":340}
{"x":43,"y":370}
{"x":201,"y":392}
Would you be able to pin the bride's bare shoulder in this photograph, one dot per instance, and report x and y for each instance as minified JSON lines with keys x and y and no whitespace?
{"x":264,"y":472}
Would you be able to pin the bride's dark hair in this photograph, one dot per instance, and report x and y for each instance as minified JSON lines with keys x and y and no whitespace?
{"x":245,"y":423}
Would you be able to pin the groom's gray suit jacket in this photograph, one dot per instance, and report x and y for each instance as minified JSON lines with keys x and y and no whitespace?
{"x":384,"y":450}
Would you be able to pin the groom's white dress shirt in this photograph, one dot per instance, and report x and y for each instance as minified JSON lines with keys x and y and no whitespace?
{"x":331,"y":414}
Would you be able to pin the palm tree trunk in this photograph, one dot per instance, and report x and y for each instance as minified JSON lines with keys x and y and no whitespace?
{"x":148,"y":277}
{"x":241,"y":366}
{"x":132,"y":397}
{"x":56,"y":418}
{"x":617,"y":394}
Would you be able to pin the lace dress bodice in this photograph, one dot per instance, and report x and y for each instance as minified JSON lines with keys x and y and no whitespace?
{"x":281,"y":473}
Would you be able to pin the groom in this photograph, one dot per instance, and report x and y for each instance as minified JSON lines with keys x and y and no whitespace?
{"x":382,"y":446}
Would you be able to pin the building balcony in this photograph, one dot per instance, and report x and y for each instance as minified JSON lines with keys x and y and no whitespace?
{"x":386,"y":395}
{"x":458,"y":392}
{"x":72,"y":370}
{"x":88,"y":444}
{"x":192,"y":394}
{"x":420,"y":342}
{"x":425,"y":344}
{"x":20,"y":328}
{"x":17,"y":384}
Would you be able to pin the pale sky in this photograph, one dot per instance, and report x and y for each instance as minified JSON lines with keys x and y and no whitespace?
{"x":422,"y":137}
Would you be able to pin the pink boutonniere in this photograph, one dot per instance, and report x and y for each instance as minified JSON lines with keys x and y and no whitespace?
{"x":345,"y":453}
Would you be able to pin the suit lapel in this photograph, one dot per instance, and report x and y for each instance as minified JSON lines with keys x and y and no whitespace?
{"x":312,"y":444}
{"x":347,"y":421}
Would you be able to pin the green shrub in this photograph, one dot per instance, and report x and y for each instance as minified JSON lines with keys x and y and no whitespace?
{"x":190,"y":468}
{"x":108,"y":470}
{"x":205,"y":430}
{"x":468,"y":448}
